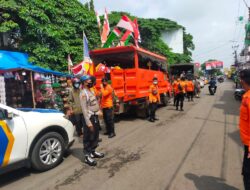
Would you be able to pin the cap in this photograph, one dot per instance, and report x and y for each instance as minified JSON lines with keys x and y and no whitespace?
{"x":84,"y":78}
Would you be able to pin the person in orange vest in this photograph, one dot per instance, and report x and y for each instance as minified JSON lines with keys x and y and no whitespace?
{"x":180,"y":94}
{"x":244,"y":126}
{"x":190,"y":90}
{"x":107,"y":107}
{"x":174,"y":89}
{"x":154,"y":99}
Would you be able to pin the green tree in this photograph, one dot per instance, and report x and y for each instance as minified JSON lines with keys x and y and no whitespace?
{"x":48,"y":30}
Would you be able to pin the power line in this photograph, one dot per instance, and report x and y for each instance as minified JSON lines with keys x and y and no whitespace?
{"x":212,"y":50}
{"x":245,"y":3}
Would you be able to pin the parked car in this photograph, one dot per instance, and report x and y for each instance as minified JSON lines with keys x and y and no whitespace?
{"x":36,"y":138}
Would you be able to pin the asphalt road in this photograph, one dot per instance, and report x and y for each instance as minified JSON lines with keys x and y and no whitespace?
{"x":198,"y":149}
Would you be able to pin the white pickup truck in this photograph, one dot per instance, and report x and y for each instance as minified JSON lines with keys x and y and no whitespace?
{"x":33,"y":137}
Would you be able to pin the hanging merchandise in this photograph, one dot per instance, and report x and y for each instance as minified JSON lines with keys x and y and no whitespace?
{"x":8,"y":75}
{"x":17,"y":76}
{"x":2,"y":91}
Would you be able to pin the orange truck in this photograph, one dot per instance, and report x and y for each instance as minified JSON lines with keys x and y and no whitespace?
{"x":131,"y":74}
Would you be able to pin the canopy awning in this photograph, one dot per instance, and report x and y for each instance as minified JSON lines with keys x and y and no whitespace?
{"x":11,"y":61}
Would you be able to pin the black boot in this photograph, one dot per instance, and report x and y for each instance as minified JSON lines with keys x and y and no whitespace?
{"x":97,"y":155}
{"x":90,"y":161}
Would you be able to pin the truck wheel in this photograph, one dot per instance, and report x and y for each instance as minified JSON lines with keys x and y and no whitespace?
{"x":48,"y":152}
{"x":164,"y":100}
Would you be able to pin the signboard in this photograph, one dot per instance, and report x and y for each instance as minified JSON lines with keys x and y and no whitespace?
{"x":214,"y":65}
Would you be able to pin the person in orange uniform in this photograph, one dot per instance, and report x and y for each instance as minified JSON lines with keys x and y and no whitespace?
{"x":175,"y":85}
{"x":180,"y":93}
{"x":190,"y":90}
{"x":244,"y":126}
{"x":107,"y":107}
{"x":154,"y":99}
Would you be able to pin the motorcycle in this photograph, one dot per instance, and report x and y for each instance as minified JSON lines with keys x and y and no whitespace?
{"x":221,"y":79}
{"x":212,"y":90}
{"x":238,"y":93}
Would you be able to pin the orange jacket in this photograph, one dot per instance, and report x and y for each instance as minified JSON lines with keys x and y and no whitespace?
{"x":190,"y":86}
{"x":154,"y":95}
{"x":107,"y":97}
{"x":183,"y":86}
{"x":245,"y":120}
{"x":175,"y":86}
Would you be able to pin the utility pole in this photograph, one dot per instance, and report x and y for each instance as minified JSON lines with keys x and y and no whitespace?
{"x":235,"y":48}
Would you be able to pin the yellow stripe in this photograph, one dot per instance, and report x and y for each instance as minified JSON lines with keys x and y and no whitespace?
{"x":11,"y":140}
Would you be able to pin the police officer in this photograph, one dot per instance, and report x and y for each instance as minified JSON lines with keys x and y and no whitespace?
{"x":154,"y":99}
{"x":90,"y":108}
{"x":77,"y":117}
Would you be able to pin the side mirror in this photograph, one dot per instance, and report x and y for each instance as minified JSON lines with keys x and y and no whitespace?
{"x":8,"y":115}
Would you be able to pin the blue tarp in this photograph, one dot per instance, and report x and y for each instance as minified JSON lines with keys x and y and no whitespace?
{"x":10,"y":60}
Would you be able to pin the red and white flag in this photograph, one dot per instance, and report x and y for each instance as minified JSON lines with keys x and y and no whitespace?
{"x":126,"y":23}
{"x":98,"y":19}
{"x":137,"y":31}
{"x":70,"y":63}
{"x":106,"y":28}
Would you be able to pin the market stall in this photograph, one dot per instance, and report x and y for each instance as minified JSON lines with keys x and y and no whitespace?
{"x":23,"y":84}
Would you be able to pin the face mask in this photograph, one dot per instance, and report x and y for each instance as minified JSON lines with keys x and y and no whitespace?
{"x":90,"y":85}
{"x":76,"y":85}
{"x":155,"y":82}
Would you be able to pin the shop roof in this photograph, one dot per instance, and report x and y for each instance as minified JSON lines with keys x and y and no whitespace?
{"x":11,"y":61}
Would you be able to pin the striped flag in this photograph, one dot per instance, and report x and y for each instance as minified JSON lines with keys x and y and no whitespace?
{"x":126,"y":23}
{"x":106,"y":28}
{"x":125,"y":38}
{"x":114,"y":34}
{"x":98,"y":20}
{"x":70,"y":63}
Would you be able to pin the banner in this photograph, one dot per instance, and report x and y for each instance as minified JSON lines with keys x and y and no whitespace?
{"x":214,"y":65}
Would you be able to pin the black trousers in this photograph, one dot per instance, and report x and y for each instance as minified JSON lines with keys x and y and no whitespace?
{"x":175,"y":99}
{"x":179,"y":100}
{"x":190,"y":95}
{"x":79,"y":122}
{"x":108,"y":117}
{"x":246,"y":169}
{"x":90,"y":139}
{"x":152,"y":110}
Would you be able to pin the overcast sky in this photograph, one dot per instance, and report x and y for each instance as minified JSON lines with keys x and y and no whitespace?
{"x":213,"y":23}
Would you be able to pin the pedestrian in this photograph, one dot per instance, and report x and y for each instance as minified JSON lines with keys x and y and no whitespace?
{"x":197,"y":87}
{"x":190,"y":90}
{"x":175,"y":86}
{"x":74,"y":99}
{"x":90,"y":109}
{"x":180,"y":93}
{"x":154,"y":99}
{"x":244,"y":126}
{"x":107,"y":107}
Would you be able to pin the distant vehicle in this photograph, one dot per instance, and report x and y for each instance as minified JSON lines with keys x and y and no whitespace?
{"x":238,"y":93}
{"x":33,"y":137}
{"x":202,"y":84}
{"x":187,"y":68}
{"x":220,"y":79}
